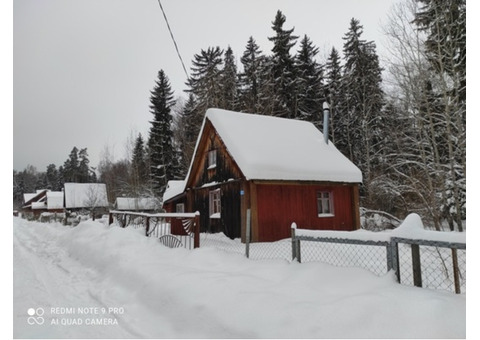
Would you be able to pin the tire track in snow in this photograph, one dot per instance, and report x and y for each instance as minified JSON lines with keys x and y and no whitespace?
{"x":44,"y":276}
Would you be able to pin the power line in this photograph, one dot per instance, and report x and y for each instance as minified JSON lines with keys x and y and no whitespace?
{"x":173,"y":39}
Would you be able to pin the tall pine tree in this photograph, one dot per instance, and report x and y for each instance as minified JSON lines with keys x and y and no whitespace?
{"x":229,"y":81}
{"x":163,"y":158}
{"x":309,"y":83}
{"x":283,"y":69}
{"x":206,"y":79}
{"x":333,"y":93}
{"x":362,"y":101}
{"x":250,"y":78}
{"x":139,"y":171}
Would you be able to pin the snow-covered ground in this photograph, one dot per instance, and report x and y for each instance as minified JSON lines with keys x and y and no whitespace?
{"x":93,"y":281}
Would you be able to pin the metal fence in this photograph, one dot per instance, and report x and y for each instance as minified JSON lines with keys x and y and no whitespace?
{"x":253,"y":250}
{"x":421,"y":263}
{"x":430,"y":264}
{"x":160,"y":226}
{"x":374,"y":256}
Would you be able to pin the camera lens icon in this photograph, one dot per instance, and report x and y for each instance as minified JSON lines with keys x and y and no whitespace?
{"x":35,"y":316}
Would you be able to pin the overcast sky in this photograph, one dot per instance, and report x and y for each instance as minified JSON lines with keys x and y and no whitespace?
{"x":83,"y":69}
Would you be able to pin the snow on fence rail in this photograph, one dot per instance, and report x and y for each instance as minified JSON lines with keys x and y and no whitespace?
{"x":420,"y":262}
{"x":172,"y":229}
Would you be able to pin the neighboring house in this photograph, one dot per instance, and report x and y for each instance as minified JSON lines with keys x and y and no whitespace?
{"x":143,"y":204}
{"x":42,"y":201}
{"x":34,"y":203}
{"x":280,"y":169}
{"x":175,"y":191}
{"x":85,"y":196}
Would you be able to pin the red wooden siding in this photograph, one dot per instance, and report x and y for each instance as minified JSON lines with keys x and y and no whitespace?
{"x":280,"y":205}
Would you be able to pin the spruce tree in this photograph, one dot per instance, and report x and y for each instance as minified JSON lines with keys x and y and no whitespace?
{"x":229,"y":82}
{"x":206,"y":79}
{"x":189,"y":124}
{"x":362,"y":101}
{"x":309,"y":83}
{"x":283,"y":69}
{"x":249,"y":79}
{"x":53,"y":178}
{"x":163,"y":160}
{"x":333,"y":95}
{"x":139,"y":172}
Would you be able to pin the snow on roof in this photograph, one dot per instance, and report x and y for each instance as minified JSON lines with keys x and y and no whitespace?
{"x":29,"y":196}
{"x":174,"y":188}
{"x":272,"y":148}
{"x":39,"y":205}
{"x":54,"y":200}
{"x":136,"y":203}
{"x":85,"y":195}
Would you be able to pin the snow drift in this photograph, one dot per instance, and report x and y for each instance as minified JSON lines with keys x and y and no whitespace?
{"x":206,"y":293}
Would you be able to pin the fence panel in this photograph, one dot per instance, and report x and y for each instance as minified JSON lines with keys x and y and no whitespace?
{"x":441,"y":265}
{"x":371,"y":255}
{"x":421,"y":263}
{"x":160,"y":225}
{"x":254,"y":250}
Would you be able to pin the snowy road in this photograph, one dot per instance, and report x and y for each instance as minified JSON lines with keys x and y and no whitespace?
{"x":46,"y":278}
{"x":97,"y":282}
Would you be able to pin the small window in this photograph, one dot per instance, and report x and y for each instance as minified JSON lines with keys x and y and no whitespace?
{"x":212,"y":159}
{"x":215,"y":206}
{"x":180,"y":208}
{"x":325,"y":204}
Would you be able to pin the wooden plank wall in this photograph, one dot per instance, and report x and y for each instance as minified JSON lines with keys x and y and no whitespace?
{"x":280,"y":205}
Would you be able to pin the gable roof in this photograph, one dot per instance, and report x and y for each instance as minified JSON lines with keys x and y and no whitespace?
{"x":84,"y":195}
{"x":272,"y":148}
{"x":29,"y":198}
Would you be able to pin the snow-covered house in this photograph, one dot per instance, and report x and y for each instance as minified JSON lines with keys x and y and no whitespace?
{"x":85,"y":196}
{"x":280,"y":169}
{"x":42,"y":201}
{"x":136,"y":204}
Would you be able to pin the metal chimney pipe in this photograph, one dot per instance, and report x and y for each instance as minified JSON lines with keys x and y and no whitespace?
{"x":326,"y":114}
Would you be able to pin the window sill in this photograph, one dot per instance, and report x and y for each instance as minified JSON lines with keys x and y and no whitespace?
{"x":216,"y":215}
{"x":326,"y":215}
{"x":211,"y":167}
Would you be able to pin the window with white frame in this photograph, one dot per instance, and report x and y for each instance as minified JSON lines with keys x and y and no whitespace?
{"x":215,"y":203}
{"x":212,"y":159}
{"x":180,"y":208}
{"x":325,"y":203}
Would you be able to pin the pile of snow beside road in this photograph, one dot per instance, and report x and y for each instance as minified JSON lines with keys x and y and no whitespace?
{"x":206,"y":293}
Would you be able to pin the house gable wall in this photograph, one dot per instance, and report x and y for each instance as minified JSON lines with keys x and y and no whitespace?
{"x":226,"y":169}
{"x":225,"y":175}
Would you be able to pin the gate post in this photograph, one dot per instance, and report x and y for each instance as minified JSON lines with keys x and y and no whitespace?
{"x":395,"y":257}
{"x":456,"y":274}
{"x":147,"y":225}
{"x":416,"y":265}
{"x":196,"y":236}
